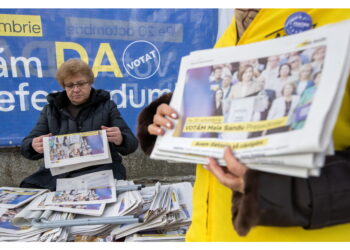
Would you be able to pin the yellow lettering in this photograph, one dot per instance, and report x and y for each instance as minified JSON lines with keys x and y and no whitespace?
{"x":61,"y":46}
{"x":105,"y":48}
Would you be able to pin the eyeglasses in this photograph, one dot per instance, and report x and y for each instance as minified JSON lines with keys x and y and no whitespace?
{"x":71,"y":85}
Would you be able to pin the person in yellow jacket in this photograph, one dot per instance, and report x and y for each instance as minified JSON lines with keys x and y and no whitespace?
{"x":266,"y":207}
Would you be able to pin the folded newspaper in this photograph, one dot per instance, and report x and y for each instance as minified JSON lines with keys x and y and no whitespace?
{"x":11,"y":197}
{"x":15,"y":225}
{"x":94,"y":188}
{"x":166,"y":210}
{"x":69,"y":152}
{"x":275,"y":103}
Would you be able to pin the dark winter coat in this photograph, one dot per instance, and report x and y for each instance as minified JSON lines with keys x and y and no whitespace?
{"x":97,"y":111}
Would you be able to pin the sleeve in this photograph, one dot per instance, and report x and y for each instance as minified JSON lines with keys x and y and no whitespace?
{"x":130,"y":143}
{"x":41,"y":128}
{"x":146,"y":118}
{"x":276,"y":200}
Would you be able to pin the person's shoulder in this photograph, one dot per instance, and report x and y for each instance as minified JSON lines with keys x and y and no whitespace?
{"x":101,"y":93}
{"x":101,"y":96}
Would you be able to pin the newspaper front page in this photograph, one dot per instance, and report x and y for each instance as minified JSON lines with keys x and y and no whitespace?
{"x":258,"y":111}
{"x":69,"y":152}
{"x":95,"y":188}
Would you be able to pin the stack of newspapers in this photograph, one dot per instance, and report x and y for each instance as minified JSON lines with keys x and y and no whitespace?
{"x":87,"y":194}
{"x":69,"y":152}
{"x":160,"y":212}
{"x":14,"y":204}
{"x":166,"y":209}
{"x":274,"y":103}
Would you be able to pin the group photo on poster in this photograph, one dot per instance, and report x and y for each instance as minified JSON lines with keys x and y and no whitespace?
{"x":260,"y":89}
{"x":257,"y":100}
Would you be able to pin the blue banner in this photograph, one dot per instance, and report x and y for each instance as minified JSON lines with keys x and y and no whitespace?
{"x":134,"y":53}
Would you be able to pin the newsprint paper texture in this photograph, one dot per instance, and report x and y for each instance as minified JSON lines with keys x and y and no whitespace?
{"x":259,"y":112}
{"x":69,"y":152}
{"x":11,"y":197}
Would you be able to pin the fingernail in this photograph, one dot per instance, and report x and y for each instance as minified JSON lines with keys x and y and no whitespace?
{"x":168,"y":125}
{"x":209,"y":160}
{"x":205,"y":167}
{"x":159,"y":130}
{"x":173,"y":115}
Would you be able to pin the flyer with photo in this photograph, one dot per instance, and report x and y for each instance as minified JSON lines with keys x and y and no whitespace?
{"x":69,"y":152}
{"x":242,"y":104}
{"x":259,"y":99}
{"x":95,"y":188}
{"x":11,"y":197}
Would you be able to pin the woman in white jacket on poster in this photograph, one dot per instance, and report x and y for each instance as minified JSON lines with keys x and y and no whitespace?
{"x":283,"y":106}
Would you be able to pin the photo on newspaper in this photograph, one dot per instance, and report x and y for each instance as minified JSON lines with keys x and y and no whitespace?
{"x":6,"y":216}
{"x":76,"y":150}
{"x":86,"y":209}
{"x":260,"y":98}
{"x":11,"y":197}
{"x":94,"y":188}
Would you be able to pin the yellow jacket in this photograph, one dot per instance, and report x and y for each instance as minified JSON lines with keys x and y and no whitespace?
{"x":212,"y":201}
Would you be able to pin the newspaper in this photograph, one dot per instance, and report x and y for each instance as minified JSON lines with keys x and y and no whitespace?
{"x":307,"y":161}
{"x":11,"y":197}
{"x":93,"y":188}
{"x":170,"y":207}
{"x":128,"y":203}
{"x":87,"y":209}
{"x":279,"y":166}
{"x":11,"y":232}
{"x":16,"y":224}
{"x":25,"y":217}
{"x":166,"y":209}
{"x":59,"y":234}
{"x":263,"y":118}
{"x":69,"y":152}
{"x":158,"y":236}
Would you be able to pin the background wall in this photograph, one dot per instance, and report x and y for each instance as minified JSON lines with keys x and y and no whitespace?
{"x":14,"y":168}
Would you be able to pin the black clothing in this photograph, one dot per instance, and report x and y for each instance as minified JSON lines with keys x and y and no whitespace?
{"x":74,"y":110}
{"x":97,"y":111}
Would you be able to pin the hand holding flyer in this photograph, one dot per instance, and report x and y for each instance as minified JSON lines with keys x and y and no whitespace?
{"x":65,"y":153}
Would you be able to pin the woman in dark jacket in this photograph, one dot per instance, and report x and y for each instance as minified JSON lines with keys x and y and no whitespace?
{"x":79,"y":108}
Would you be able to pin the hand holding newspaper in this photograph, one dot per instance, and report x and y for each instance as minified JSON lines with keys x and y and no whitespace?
{"x":276,"y":120}
{"x":69,"y":152}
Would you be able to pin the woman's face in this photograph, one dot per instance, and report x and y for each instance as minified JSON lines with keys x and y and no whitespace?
{"x":219,"y":94}
{"x":305,"y":74}
{"x":273,"y":61}
{"x":288,"y":90}
{"x":284,"y":72}
{"x":247,"y":75}
{"x":78,"y":89}
{"x":319,"y":54}
{"x":226,"y":82}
